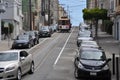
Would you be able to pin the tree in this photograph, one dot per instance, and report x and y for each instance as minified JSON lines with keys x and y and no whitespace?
{"x":94,"y":15}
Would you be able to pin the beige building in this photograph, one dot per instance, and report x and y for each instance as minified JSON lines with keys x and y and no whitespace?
{"x":55,"y":10}
{"x":62,"y":12}
{"x":116,"y":28}
{"x":91,"y":4}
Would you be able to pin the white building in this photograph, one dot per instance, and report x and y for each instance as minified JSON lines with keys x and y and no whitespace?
{"x":13,"y":14}
{"x":2,"y":10}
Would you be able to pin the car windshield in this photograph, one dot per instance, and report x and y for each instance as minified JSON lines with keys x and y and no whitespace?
{"x":30,"y":33}
{"x":23,"y":37}
{"x":88,"y":43}
{"x":10,"y":56}
{"x":45,"y":29}
{"x":92,"y":55}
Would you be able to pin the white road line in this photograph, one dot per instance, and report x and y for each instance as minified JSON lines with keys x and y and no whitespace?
{"x":62,"y":50}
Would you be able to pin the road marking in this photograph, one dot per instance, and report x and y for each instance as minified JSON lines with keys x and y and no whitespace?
{"x":45,"y":57}
{"x":37,"y":44}
{"x":62,"y":50}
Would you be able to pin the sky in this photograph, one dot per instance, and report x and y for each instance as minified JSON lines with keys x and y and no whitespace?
{"x":75,"y":8}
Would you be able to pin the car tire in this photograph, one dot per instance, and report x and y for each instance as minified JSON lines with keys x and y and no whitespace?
{"x":19,"y":75}
{"x":109,"y":78}
{"x":76,"y":73}
{"x":35,"y":42}
{"x":31,"y":71}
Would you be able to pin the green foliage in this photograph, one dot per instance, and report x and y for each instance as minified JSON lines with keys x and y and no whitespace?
{"x":94,"y":14}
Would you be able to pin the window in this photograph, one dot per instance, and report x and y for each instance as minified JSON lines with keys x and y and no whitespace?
{"x":23,"y":54}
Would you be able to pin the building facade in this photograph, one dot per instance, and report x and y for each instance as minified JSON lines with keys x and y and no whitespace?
{"x":117,"y":20}
{"x":13,"y":15}
{"x":2,"y":10}
{"x":31,"y":11}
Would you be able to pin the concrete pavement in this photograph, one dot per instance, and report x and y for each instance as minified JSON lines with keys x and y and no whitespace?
{"x":110,"y":46}
{"x":5,"y":44}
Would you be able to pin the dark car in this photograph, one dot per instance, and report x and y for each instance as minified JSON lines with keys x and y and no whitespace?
{"x":23,"y":41}
{"x":34,"y":35}
{"x":91,"y":63}
{"x":45,"y":32}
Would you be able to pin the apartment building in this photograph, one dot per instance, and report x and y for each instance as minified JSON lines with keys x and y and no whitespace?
{"x":54,"y":9}
{"x":2,"y":10}
{"x":31,"y":10}
{"x":117,"y":20}
{"x":91,"y":4}
{"x":13,"y":15}
{"x":62,"y":11}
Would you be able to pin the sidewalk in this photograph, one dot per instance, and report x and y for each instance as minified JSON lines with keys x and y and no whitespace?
{"x":110,"y":46}
{"x":5,"y":45}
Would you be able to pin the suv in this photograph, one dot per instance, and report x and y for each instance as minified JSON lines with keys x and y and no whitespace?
{"x":91,"y":63}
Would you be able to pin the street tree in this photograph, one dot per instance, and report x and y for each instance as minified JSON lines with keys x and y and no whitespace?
{"x":94,"y":15}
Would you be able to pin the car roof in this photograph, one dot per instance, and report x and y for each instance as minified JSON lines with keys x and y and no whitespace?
{"x":85,"y":38}
{"x":90,"y":48}
{"x":11,"y":51}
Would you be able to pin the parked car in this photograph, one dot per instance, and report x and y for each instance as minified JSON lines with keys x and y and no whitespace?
{"x":85,"y":33}
{"x":15,"y":63}
{"x":92,"y":44}
{"x":45,"y":32}
{"x":80,"y":39}
{"x":34,"y":35}
{"x":23,"y":41}
{"x":91,"y":63}
{"x":54,"y":28}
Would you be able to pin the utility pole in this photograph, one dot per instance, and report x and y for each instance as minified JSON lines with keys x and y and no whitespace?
{"x":30,"y":14}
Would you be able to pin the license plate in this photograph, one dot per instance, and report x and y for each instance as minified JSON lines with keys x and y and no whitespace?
{"x":19,"y":45}
{"x":93,"y":73}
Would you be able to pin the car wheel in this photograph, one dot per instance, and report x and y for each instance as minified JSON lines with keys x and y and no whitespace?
{"x":35,"y":42}
{"x":76,"y":73}
{"x":19,"y":75}
{"x":109,"y":78}
{"x":31,"y":69}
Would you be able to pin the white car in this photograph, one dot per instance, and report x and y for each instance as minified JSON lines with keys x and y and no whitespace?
{"x":15,"y":63}
{"x":80,"y":39}
{"x":92,"y":44}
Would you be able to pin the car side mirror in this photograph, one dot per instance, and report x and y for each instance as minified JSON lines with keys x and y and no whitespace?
{"x":22,"y":58}
{"x":109,"y":59}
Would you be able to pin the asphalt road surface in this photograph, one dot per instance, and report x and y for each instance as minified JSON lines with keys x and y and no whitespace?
{"x":54,"y":57}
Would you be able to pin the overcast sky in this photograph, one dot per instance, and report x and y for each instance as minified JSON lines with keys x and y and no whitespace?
{"x":75,"y":8}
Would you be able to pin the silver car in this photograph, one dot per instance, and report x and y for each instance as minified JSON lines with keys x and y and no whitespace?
{"x":15,"y":63}
{"x":92,"y":44}
{"x":80,"y":39}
